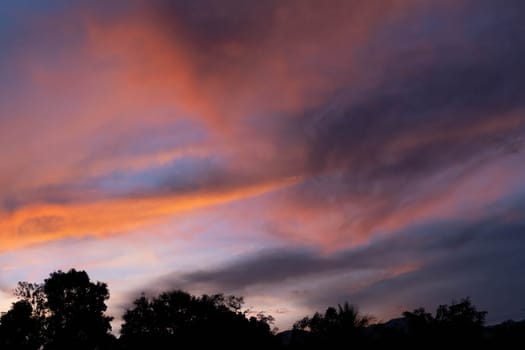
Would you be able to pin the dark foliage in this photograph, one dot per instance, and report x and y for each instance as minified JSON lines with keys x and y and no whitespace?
{"x":457,"y":322}
{"x":342,"y":326}
{"x":64,"y":312}
{"x":76,"y":311}
{"x":19,"y":329}
{"x":177,"y":318}
{"x":67,"y":311}
{"x":454,"y":324}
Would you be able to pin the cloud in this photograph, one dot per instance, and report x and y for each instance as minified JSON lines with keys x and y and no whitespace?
{"x":485,"y":268}
{"x":423,"y":265}
{"x":357,"y":100}
{"x":96,"y":110}
{"x":413,"y":134}
{"x":41,"y":223}
{"x":275,"y":266}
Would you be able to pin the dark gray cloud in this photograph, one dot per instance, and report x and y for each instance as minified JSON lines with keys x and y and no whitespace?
{"x":275,"y":266}
{"x":488,"y":268}
{"x":442,"y":100}
{"x":479,"y":258}
{"x":448,"y":100}
{"x":209,"y":24}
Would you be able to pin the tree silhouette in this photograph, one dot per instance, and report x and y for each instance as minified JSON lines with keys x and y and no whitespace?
{"x":33,"y":293}
{"x":421,"y":324}
{"x":70,"y":309}
{"x":67,"y":311}
{"x":343,"y":325}
{"x":177,"y":318}
{"x":462,"y":314}
{"x":19,"y":329}
{"x":460,"y":321}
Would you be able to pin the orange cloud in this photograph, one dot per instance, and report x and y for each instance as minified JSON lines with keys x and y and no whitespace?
{"x":119,"y":71}
{"x":462,"y":192}
{"x":124,"y":69}
{"x":41,"y":223}
{"x":157,"y":55}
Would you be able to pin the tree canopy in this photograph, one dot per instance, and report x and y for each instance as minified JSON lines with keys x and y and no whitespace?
{"x":176,"y":317}
{"x":459,"y":320}
{"x":341,"y":325}
{"x":18,"y":328}
{"x":67,"y":310}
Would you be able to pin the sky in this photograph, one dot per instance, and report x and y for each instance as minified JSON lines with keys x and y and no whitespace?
{"x":299,"y":153}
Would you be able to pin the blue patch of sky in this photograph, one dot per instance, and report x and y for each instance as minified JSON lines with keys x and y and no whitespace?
{"x":182,"y":175}
{"x":15,"y":16}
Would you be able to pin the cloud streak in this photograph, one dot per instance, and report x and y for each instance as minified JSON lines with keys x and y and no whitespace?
{"x":416,"y":267}
{"x":39,"y":224}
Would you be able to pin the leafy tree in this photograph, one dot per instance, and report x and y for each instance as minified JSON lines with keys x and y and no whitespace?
{"x":420,"y":323}
{"x":70,"y":310}
{"x":177,"y":318}
{"x":345,"y":317}
{"x":462,"y":314}
{"x":32,"y":293}
{"x":459,"y":321}
{"x":19,"y":329}
{"x":336,"y":326}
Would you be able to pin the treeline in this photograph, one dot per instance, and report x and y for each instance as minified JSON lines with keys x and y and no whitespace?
{"x":68,"y":311}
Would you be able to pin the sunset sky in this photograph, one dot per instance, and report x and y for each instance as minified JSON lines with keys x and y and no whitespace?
{"x":299,"y":153}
